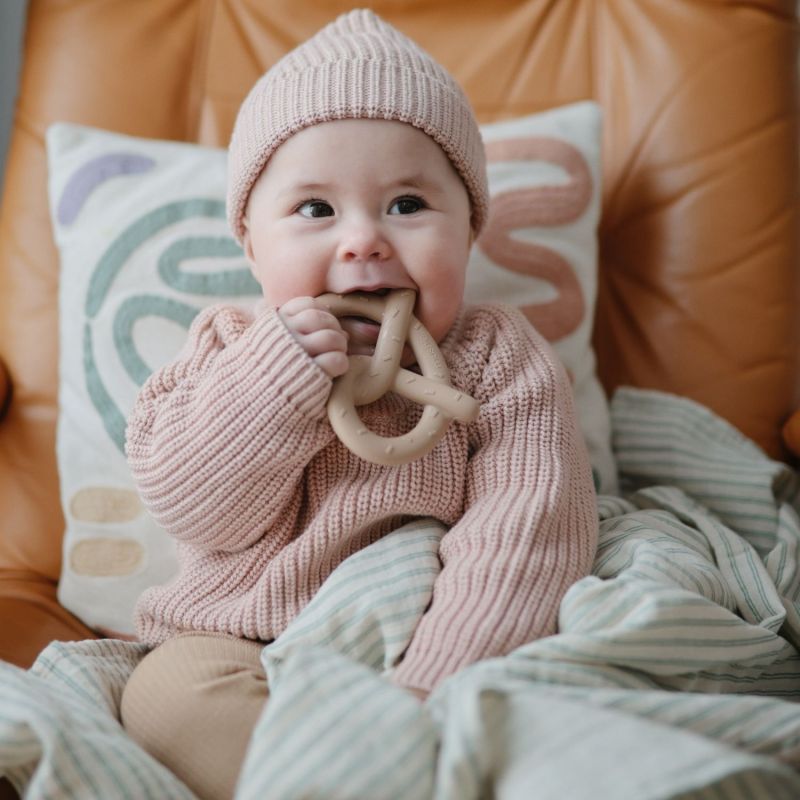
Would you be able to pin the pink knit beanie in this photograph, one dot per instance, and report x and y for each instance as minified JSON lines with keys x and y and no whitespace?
{"x":356,"y":67}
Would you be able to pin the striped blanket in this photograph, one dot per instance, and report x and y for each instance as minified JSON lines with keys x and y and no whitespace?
{"x":674,"y":674}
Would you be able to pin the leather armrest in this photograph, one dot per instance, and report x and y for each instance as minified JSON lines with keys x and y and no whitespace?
{"x":7,"y":790}
{"x":31,"y":618}
{"x":5,"y":389}
{"x":791,"y":433}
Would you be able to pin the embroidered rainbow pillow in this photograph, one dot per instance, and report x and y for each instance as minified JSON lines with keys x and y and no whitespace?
{"x":140,"y":227}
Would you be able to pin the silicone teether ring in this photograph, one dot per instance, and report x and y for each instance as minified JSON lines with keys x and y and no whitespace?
{"x":370,"y":377}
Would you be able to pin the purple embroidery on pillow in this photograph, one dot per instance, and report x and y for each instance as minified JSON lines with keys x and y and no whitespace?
{"x":88,"y":177}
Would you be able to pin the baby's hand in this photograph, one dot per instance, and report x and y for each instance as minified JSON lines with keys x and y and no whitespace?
{"x":318,"y":332}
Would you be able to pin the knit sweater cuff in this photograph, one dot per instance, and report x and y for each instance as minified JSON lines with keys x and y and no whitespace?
{"x":426,"y":671}
{"x":288,"y":367}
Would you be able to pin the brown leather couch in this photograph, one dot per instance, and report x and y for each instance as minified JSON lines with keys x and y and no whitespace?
{"x":699,"y":241}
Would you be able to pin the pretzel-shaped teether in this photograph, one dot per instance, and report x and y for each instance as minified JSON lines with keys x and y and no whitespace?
{"x":370,"y":377}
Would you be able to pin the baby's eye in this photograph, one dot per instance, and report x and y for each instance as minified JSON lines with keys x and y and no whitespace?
{"x":314,"y":209}
{"x":408,"y":204}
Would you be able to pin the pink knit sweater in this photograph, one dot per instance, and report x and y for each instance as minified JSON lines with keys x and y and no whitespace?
{"x":233,"y":454}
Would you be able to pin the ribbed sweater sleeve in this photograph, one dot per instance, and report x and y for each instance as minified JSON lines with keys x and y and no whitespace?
{"x":530,"y":526}
{"x":218,"y":440}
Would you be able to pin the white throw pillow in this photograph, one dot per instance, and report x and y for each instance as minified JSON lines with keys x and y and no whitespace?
{"x":144,"y":245}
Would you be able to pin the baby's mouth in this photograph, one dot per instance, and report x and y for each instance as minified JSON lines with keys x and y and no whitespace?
{"x":367,"y":321}
{"x":364,"y":331}
{"x":379,"y":292}
{"x":364,"y":320}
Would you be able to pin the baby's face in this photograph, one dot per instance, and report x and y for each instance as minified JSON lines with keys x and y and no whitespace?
{"x":361,"y":205}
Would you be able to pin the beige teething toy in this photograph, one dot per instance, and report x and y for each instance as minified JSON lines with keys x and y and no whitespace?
{"x":369,"y":378}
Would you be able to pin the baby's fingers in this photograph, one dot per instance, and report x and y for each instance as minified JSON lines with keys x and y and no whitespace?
{"x":323,"y":341}
{"x":294,"y":306}
{"x":309,"y":320}
{"x":318,"y":333}
{"x":328,"y":349}
{"x":334,"y":363}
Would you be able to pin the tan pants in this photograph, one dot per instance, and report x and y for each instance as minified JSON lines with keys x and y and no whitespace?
{"x":192,"y":703}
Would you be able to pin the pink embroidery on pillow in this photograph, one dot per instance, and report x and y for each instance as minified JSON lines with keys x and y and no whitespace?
{"x":552,"y":205}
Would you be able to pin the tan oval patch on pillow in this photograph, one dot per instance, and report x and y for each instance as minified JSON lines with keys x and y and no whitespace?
{"x":104,"y":504}
{"x":105,"y":557}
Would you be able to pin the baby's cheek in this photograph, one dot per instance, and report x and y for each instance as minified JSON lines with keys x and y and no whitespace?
{"x":439,"y":318}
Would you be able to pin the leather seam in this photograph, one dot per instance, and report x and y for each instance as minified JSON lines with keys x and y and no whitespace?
{"x":198,"y":72}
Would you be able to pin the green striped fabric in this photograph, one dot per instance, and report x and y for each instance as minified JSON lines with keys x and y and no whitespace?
{"x":674,"y":673}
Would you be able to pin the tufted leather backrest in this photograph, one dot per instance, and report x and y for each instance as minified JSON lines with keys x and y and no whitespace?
{"x":698,"y":238}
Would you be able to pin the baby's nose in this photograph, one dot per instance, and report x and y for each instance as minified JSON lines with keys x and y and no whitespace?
{"x":363,"y":241}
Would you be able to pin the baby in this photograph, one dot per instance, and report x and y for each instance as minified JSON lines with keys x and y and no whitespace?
{"x":356,"y":165}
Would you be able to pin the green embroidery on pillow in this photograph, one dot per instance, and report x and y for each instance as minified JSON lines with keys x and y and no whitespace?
{"x":113,"y":420}
{"x":118,"y":253}
{"x":230,"y":283}
{"x":134,"y":309}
